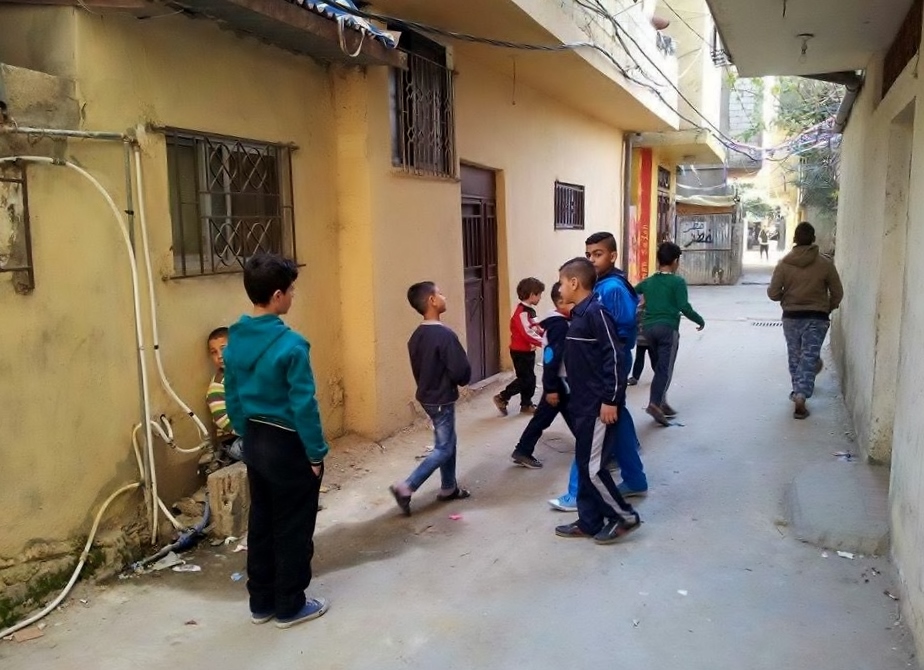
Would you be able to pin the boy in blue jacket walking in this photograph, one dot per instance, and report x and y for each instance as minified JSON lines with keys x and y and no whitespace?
{"x":618,"y":297}
{"x":270,"y":396}
{"x":554,"y":399}
{"x":597,"y":377}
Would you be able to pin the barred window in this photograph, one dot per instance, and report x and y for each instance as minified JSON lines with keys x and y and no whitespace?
{"x":229,"y":199}
{"x":569,"y":206}
{"x":423,"y":132}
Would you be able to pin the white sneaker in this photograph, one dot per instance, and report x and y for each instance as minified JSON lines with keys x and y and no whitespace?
{"x":564,"y":503}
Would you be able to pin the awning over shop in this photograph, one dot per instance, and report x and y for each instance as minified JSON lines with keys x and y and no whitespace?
{"x":338,"y":11}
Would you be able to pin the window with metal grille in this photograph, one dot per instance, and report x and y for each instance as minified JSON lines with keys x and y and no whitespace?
{"x":229,"y":199}
{"x":569,"y":206}
{"x":423,"y":125}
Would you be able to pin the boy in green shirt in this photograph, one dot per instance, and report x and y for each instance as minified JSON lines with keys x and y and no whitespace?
{"x":666,"y":298}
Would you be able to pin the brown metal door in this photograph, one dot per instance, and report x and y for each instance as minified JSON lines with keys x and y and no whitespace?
{"x":479,"y":244}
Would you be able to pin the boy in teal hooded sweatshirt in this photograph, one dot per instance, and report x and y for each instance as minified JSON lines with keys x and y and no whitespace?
{"x":270,"y":396}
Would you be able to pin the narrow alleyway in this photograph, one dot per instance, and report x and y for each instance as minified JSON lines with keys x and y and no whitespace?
{"x":713,"y":580}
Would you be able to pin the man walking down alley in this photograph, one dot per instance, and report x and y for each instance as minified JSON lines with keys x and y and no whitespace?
{"x":808,"y":287}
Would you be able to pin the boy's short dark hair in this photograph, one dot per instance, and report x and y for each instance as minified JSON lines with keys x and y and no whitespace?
{"x":419,"y":295}
{"x":529,"y":286}
{"x":582,"y":270}
{"x":264,"y":274}
{"x":668,"y":252}
{"x":606,"y":239}
{"x":221,"y":331}
{"x":555,"y":293}
{"x":805,"y":234}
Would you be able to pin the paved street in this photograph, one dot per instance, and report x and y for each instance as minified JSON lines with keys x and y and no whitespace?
{"x":714,"y":579}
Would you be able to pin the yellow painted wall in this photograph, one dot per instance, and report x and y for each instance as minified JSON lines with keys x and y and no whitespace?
{"x":68,"y":414}
{"x":534,"y":141}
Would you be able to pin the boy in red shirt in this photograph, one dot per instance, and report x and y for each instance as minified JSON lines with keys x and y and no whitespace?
{"x":525,"y":338}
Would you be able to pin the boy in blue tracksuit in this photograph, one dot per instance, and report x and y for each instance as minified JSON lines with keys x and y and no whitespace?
{"x":554,"y":399}
{"x":270,"y":396}
{"x":618,"y":297}
{"x":597,"y":376}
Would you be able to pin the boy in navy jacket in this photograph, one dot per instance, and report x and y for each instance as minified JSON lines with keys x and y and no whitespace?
{"x":597,"y":379}
{"x":554,"y":399}
{"x":440,"y":366}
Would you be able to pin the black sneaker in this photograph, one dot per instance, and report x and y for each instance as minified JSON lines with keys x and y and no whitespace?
{"x":500,"y":404}
{"x":657,"y":414}
{"x":632,"y":381}
{"x":669,"y":411}
{"x":571,"y":530}
{"x":525,"y":461}
{"x":616,"y":531}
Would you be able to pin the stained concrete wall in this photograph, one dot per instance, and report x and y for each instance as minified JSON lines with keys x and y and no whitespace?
{"x":878,"y":332}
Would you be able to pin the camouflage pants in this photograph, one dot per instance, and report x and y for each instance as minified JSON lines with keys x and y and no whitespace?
{"x":804,"y":338}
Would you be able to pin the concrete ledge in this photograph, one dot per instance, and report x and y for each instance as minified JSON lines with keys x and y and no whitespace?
{"x":842,"y":506}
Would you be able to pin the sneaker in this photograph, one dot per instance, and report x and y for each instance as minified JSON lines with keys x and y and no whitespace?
{"x":626,"y":492}
{"x":669,"y":411}
{"x":655,"y":413}
{"x":525,"y":461}
{"x":564,"y":503}
{"x":500,"y":404}
{"x":632,"y":381}
{"x":528,"y":409}
{"x":801,"y":411}
{"x":570,"y":530}
{"x":314,"y":607}
{"x":258,"y":617}
{"x":616,"y":531}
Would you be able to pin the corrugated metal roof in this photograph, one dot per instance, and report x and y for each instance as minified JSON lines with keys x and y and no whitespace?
{"x":338,"y":11}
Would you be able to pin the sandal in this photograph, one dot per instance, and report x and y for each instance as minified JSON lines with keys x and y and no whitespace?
{"x":458,"y":494}
{"x":404,"y":502}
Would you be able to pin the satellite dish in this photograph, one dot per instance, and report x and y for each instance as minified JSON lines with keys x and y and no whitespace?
{"x":659,"y":22}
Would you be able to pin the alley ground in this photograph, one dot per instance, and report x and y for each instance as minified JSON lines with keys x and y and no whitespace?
{"x":714,"y":579}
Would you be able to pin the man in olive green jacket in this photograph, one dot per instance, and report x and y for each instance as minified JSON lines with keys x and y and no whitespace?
{"x":808,"y":287}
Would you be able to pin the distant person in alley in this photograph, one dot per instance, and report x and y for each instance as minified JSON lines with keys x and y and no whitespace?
{"x":763,"y":239}
{"x":440,"y":366}
{"x":270,"y":398}
{"x":807,"y":285}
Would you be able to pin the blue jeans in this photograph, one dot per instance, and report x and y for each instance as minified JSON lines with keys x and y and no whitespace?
{"x":443,"y":456}
{"x":804,"y":339}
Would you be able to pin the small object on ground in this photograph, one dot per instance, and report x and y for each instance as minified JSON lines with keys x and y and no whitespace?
{"x":242,"y":547}
{"x":500,"y":404}
{"x":458,"y":494}
{"x":191,"y":622}
{"x":635,"y":623}
{"x":683,"y":592}
{"x":84,"y":602}
{"x":846,"y":554}
{"x":42,"y":626}
{"x":455,"y":517}
{"x":216,"y":543}
{"x":655,"y":413}
{"x":844,"y":456}
{"x":570,"y":530}
{"x":236,"y":577}
{"x":669,"y":411}
{"x":525,"y":461}
{"x":230,"y":539}
{"x":187,"y":567}
{"x":527,"y":409}
{"x":824,"y":554}
{"x":167,"y":561}
{"x":325,"y":489}
{"x":314,"y":608}
{"x":890,"y":595}
{"x":403,"y":501}
{"x":564,"y":503}
{"x":26,"y":634}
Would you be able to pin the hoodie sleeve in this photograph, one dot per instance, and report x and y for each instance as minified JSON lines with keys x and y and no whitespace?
{"x":683,"y":299}
{"x":614,"y":369}
{"x":775,"y":290}
{"x":552,"y":355}
{"x":457,"y":365}
{"x":305,"y":404}
{"x":835,"y":288}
